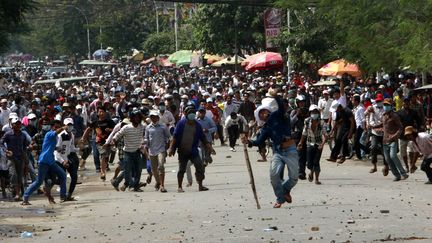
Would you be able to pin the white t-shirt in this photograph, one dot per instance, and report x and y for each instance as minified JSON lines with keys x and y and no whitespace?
{"x":342,"y":100}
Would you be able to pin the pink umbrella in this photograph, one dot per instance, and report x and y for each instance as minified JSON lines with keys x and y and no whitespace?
{"x":264,"y":61}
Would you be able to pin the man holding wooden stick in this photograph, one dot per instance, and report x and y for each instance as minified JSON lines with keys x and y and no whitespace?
{"x":278,"y":130}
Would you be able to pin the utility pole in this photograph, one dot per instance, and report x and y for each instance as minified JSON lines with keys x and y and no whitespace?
{"x":288,"y":48}
{"x":157,"y":17}
{"x":176,"y":26}
{"x":235,"y":41}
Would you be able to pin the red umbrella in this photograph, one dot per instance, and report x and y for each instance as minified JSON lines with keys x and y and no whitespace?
{"x":264,"y":61}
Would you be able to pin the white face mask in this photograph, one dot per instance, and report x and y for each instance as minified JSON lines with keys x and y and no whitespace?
{"x":46,"y":127}
{"x":69,"y":128}
{"x":314,"y":116}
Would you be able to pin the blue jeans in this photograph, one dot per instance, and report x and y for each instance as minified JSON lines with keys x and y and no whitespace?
{"x":95,"y":154}
{"x":42,"y":172}
{"x":133,"y":164}
{"x":288,"y":157}
{"x":390,"y":155}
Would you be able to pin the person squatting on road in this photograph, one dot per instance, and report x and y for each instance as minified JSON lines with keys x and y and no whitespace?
{"x":277,"y":128}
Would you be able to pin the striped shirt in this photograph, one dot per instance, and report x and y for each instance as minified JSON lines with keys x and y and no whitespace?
{"x":133,"y":137}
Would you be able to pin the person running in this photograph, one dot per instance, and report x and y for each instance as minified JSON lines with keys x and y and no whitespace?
{"x":102,"y":127}
{"x":133,"y":140}
{"x":392,"y":129}
{"x":234,"y":125}
{"x":187,"y":135}
{"x":47,"y":163}
{"x":156,"y":139}
{"x":314,"y":136}
{"x":66,"y":155}
{"x":16,"y":143}
{"x":285,"y":153}
{"x":422,"y":143}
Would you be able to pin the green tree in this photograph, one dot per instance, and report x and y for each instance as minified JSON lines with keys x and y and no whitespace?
{"x":12,"y":19}
{"x":162,"y":43}
{"x":214,"y":28}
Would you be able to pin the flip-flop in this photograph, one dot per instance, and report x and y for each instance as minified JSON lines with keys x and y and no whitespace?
{"x":163,"y":190}
{"x":180,"y":190}
{"x":277,"y":205}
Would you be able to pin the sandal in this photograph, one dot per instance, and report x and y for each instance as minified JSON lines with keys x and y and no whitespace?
{"x":25,"y":203}
{"x":385,"y":171}
{"x":180,"y":190}
{"x":277,"y":205}
{"x":373,"y":170}
{"x":317,"y":182}
{"x":163,"y":190}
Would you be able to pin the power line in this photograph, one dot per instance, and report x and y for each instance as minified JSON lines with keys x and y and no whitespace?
{"x":256,"y":3}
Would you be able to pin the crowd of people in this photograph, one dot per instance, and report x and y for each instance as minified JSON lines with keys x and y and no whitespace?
{"x":135,"y":116}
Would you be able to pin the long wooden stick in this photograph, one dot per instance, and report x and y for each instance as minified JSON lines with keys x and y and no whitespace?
{"x":252,"y":181}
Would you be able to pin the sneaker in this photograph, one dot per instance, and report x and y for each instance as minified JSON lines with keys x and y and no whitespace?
{"x":137,"y":190}
{"x":231,"y":149}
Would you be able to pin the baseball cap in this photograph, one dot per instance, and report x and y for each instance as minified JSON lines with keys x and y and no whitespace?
{"x":388,"y":101}
{"x":31,"y":116}
{"x":209,"y":100}
{"x":3,"y":101}
{"x":154,"y":113}
{"x":68,"y":121}
{"x":409,"y":130}
{"x":325,"y":92}
{"x":379,"y":98}
{"x":15,"y":120}
{"x":300,"y":98}
{"x":313,"y":107}
{"x":78,"y":107}
{"x":185,"y":97}
{"x":13,"y":115}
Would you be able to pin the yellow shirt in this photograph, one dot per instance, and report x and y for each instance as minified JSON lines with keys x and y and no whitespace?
{"x":398,"y":102}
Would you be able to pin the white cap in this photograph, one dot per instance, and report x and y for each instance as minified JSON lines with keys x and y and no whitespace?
{"x":185,"y":97}
{"x":381,"y":86}
{"x":68,"y":121}
{"x":31,"y":116}
{"x":209,"y":100}
{"x":218,"y":94}
{"x":13,"y":115}
{"x":325,"y":92}
{"x":15,"y":120}
{"x":78,"y":107}
{"x":313,"y":107}
{"x":300,"y":98}
{"x":3,"y":101}
{"x":154,"y":113}
{"x":58,"y":117}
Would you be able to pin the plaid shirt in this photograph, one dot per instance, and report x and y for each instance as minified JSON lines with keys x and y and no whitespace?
{"x":120,"y":145}
{"x":313,"y":137}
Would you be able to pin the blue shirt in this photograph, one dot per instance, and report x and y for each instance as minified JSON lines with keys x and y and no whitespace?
{"x":199,"y":135}
{"x":277,"y":127}
{"x":48,"y":147}
{"x":16,"y":143}
{"x":208,"y":123}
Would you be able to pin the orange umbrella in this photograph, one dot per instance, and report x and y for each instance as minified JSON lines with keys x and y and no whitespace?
{"x":339,"y":67}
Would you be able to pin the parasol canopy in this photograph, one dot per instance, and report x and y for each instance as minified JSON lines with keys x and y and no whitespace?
{"x":264,"y":61}
{"x":228,"y":61}
{"x":182,"y":57}
{"x":339,"y":67}
{"x":212,"y":58}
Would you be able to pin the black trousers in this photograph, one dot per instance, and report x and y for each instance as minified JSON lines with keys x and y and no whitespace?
{"x":233,"y":135}
{"x":341,"y":142}
{"x":426,"y":167}
{"x":196,"y":161}
{"x":357,"y":145}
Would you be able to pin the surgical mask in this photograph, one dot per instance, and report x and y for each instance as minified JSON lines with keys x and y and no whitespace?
{"x":162,"y":108}
{"x":379,"y":105}
{"x":69,"y":128}
{"x":33,"y":123}
{"x":46,"y":127}
{"x":191,"y":116}
{"x":387,"y":108}
{"x":314,"y":116}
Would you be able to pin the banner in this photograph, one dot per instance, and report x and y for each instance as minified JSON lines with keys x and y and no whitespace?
{"x":272,"y":25}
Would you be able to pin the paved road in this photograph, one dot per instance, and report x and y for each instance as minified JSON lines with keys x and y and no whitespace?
{"x":351,"y":205}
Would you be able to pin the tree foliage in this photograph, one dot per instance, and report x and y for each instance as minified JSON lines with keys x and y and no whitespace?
{"x":12,"y":19}
{"x":376,"y":34}
{"x":214,"y":28}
